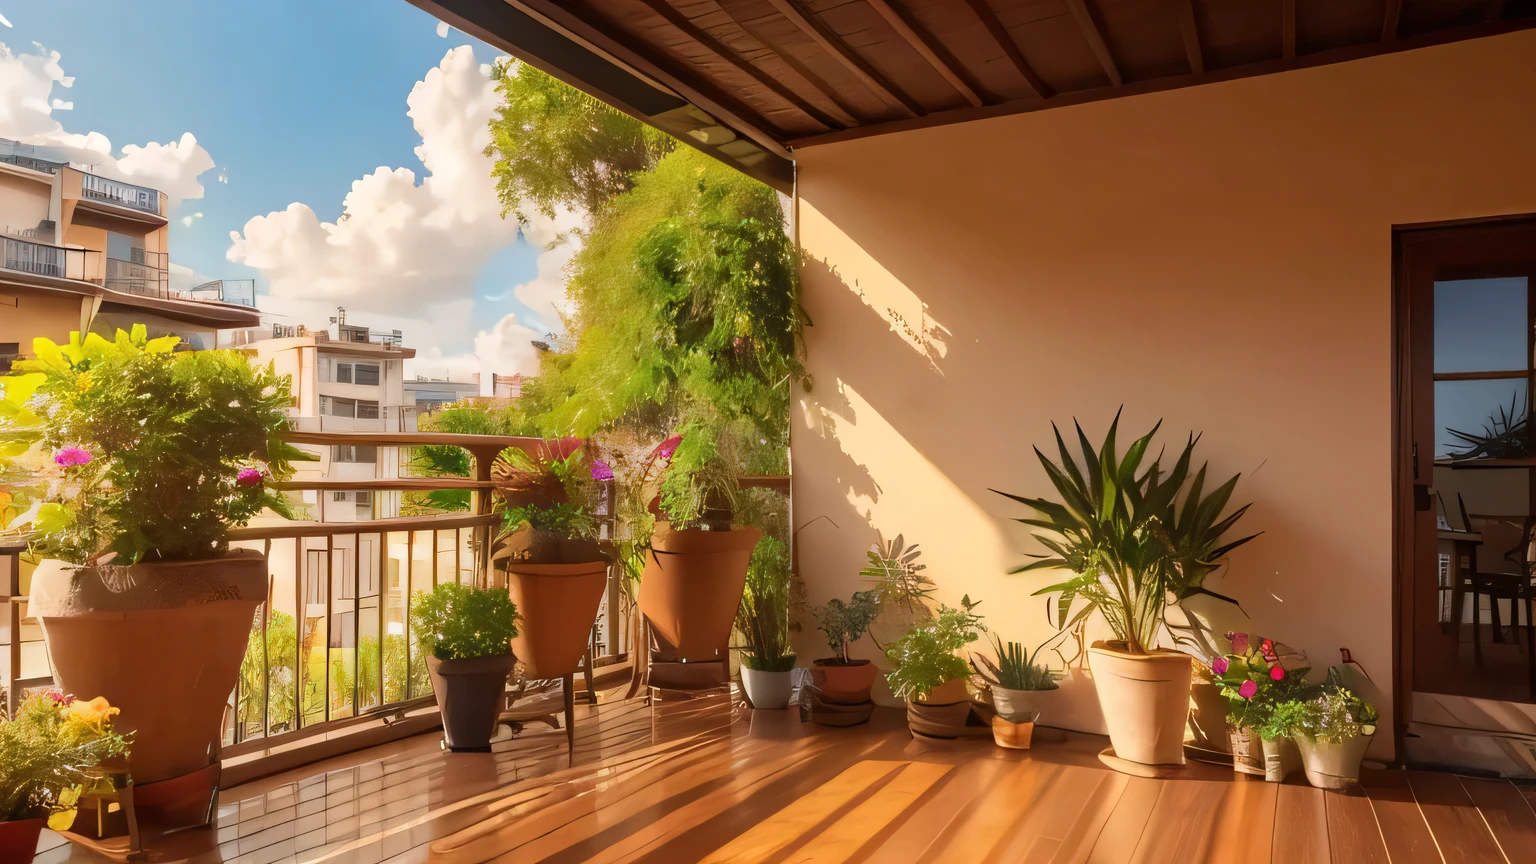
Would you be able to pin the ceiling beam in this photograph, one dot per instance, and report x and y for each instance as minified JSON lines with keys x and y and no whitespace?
{"x":837,"y":97}
{"x":1090,"y":31}
{"x":1191,"y":33}
{"x":724,"y":52}
{"x":830,"y":43}
{"x":925,"y":45}
{"x":1005,"y":41}
{"x":1389,"y":23}
{"x":1288,"y":29}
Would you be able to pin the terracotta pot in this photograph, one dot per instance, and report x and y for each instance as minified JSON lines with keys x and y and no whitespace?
{"x":768,"y":691}
{"x":469,"y":692}
{"x":825,"y":713}
{"x":1015,"y":704}
{"x":18,"y":840}
{"x":1145,"y":698}
{"x":1281,"y":759}
{"x":951,"y":692}
{"x":1014,"y":736}
{"x":556,"y":605}
{"x":692,"y":586}
{"x":1247,"y":752}
{"x":1208,"y":718}
{"x":161,"y":641}
{"x":937,"y":721}
{"x":846,"y":684}
{"x":1329,"y":765}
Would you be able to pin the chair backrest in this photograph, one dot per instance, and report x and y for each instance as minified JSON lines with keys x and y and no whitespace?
{"x":1505,"y":546}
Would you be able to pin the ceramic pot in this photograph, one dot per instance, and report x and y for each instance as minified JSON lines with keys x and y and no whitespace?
{"x":692,"y":585}
{"x":844,"y":684}
{"x":1329,"y":765}
{"x":1247,"y":752}
{"x":469,"y":693}
{"x":951,"y":692}
{"x":1014,"y":736}
{"x":1281,"y":758}
{"x":18,"y":840}
{"x":937,"y":721}
{"x":1145,"y":699}
{"x":1014,"y":704}
{"x":768,"y":691}
{"x":162,"y":641}
{"x":1208,"y":718}
{"x":556,"y":605}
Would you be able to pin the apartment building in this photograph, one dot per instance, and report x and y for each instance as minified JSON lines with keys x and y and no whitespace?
{"x":429,"y":394}
{"x":87,"y":253}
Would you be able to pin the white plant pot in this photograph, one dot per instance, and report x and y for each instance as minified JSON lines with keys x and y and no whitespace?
{"x":1145,"y":698}
{"x":1016,"y":705}
{"x":1332,"y":766}
{"x":768,"y":691}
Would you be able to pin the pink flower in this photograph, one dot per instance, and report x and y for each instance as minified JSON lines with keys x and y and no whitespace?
{"x":665,"y":449}
{"x":1219,"y":665}
{"x":1240,"y":643}
{"x":564,"y":447}
{"x":601,"y":470}
{"x":71,"y":457}
{"x":248,"y":477}
{"x":60,"y":698}
{"x":1276,"y":673}
{"x":1247,"y":689}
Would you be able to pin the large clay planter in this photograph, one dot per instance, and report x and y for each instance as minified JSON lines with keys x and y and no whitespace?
{"x":1281,"y":759}
{"x":1332,"y":766}
{"x":692,"y":586}
{"x":1247,"y":752}
{"x":556,"y":605}
{"x":469,"y":692}
{"x":768,"y":691}
{"x":18,"y":840}
{"x":161,"y":641}
{"x":844,"y":684}
{"x":1145,"y":698}
{"x":1019,"y":705}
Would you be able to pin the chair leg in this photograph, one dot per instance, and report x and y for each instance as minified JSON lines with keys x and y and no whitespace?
{"x":586,"y":675}
{"x":570,"y":715}
{"x":1477,"y":627}
{"x":135,"y":842}
{"x":1498,"y":625}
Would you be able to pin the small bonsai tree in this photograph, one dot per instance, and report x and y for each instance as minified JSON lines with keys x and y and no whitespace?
{"x":925,"y":657}
{"x":846,"y":623}
{"x":763,"y":617}
{"x":455,"y":621}
{"x":142,"y":451}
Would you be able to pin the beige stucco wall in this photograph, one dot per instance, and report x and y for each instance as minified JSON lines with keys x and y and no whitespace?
{"x":26,"y":313}
{"x":23,"y":202}
{"x":1219,"y":257}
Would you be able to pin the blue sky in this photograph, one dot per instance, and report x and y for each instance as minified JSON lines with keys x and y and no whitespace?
{"x":294,"y":100}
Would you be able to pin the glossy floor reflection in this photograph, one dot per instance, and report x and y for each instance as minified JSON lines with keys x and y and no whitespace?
{"x":707,"y":780}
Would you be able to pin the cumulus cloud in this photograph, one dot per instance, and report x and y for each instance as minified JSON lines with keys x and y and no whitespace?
{"x":442,"y":29}
{"x":409,"y":250}
{"x":26,"y":115}
{"x":189,"y":219}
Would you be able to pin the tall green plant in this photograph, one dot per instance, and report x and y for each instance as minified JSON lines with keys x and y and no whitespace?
{"x":763,"y":617}
{"x":1124,"y":533}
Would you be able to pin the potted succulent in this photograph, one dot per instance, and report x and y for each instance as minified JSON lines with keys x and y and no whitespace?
{"x":1123,"y":533}
{"x":931,"y":676}
{"x":841,"y":679}
{"x":1332,"y":729}
{"x":146,"y":457}
{"x":467,"y":634}
{"x":763,"y":620}
{"x":1259,"y":675}
{"x":47,"y":754}
{"x":1018,"y":684}
{"x":556,"y":572}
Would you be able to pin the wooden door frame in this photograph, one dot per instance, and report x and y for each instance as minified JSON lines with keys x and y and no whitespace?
{"x":1405,"y":238}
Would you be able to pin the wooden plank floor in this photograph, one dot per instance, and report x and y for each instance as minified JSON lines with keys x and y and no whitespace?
{"x":706,"y":780}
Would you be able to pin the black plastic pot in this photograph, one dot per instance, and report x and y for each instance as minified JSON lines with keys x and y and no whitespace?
{"x":469,"y":693}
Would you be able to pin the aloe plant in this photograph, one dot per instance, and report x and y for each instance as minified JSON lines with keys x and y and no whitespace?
{"x":1127,"y":533}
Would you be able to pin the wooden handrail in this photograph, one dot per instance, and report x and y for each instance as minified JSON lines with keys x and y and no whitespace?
{"x":445,"y":522}
{"x":387,"y":484}
{"x":473,"y":443}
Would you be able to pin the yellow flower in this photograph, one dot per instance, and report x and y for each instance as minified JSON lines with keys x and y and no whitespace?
{"x":95,"y":713}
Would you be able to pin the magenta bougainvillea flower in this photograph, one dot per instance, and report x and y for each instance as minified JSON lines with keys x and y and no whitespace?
{"x":60,"y":697}
{"x":248,"y":477}
{"x":71,"y":457}
{"x":1276,"y":673}
{"x":1219,"y":665}
{"x":601,"y":470}
{"x":1240,"y":643}
{"x":1247,"y":689}
{"x":665,"y":449}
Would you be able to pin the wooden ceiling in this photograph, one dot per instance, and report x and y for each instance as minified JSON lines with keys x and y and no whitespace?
{"x":752,"y":80}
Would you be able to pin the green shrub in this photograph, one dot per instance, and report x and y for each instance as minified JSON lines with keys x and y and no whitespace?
{"x":457,"y":621}
{"x":925,"y":656}
{"x":846,"y":623}
{"x":763,"y":617}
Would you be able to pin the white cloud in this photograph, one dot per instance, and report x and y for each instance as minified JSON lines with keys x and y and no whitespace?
{"x":188,"y":220}
{"x":26,"y":115}
{"x":183,"y":277}
{"x":442,"y":29}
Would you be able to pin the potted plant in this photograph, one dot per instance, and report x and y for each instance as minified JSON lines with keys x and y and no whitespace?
{"x":146,"y":458}
{"x":1018,"y":684}
{"x":46,"y":755}
{"x":931,"y":676}
{"x":1333,"y":729}
{"x":556,"y":572}
{"x":841,"y":679}
{"x":1257,"y":676}
{"x":1122,"y":531}
{"x":467,"y":634}
{"x":763,"y":620}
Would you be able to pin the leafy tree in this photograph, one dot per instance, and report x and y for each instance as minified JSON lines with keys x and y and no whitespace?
{"x":441,"y":460}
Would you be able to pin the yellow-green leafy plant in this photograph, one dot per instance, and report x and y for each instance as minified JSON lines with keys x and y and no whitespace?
{"x":47,"y":754}
{"x":136,"y":450}
{"x":925,"y":657}
{"x":763,"y":617}
{"x":454,"y":622}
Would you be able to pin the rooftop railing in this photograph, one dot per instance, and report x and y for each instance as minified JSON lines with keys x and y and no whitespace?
{"x":117,"y":192}
{"x":32,"y":163}
{"x":240,"y":292}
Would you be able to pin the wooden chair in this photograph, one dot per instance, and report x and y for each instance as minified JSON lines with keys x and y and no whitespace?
{"x":1506,"y":578}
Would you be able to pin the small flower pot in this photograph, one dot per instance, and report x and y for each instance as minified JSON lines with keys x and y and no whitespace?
{"x":1208,"y":718}
{"x":1020,"y":703}
{"x":1247,"y":752}
{"x":469,"y":693}
{"x":1332,"y":766}
{"x":951,"y":692}
{"x":767,"y":691}
{"x":1014,"y":736}
{"x":18,"y":840}
{"x":1281,"y":759}
{"x":845,"y":684}
{"x":937,"y":721}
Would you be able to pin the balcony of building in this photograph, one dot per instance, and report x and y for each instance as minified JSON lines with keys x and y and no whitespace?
{"x":143,"y":199}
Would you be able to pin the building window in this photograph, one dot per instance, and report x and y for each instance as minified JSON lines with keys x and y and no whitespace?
{"x":367,"y":410}
{"x":341,"y":496}
{"x":365,"y":374}
{"x":354,"y":453}
{"x":344,"y":373}
{"x":364,"y":506}
{"x":339,"y":407}
{"x":9,"y":352}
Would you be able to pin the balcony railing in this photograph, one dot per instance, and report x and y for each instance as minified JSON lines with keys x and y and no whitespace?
{"x":44,"y":259}
{"x":31,"y":163}
{"x":120,"y":193}
{"x":240,"y":292}
{"x":145,"y":275}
